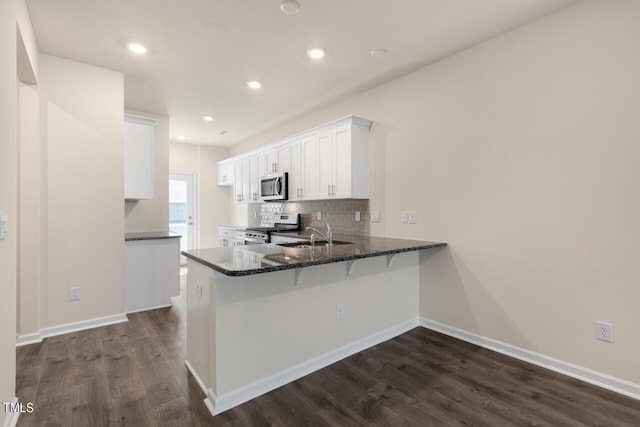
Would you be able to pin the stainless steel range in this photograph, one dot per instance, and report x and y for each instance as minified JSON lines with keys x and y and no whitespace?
{"x":239,"y":236}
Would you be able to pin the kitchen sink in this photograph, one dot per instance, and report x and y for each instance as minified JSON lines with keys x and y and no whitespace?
{"x":307,"y":245}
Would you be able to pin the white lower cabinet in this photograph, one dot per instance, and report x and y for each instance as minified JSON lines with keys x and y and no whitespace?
{"x":246,"y":260}
{"x":152,"y":273}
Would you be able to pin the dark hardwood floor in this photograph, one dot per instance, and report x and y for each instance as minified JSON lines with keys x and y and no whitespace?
{"x":133,"y":374}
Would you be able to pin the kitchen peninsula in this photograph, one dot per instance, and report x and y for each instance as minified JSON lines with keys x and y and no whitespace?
{"x":260,"y":316}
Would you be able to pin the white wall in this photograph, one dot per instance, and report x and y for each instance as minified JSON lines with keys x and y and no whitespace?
{"x":212,"y":201}
{"x":30,"y":209}
{"x":82,"y":129}
{"x":153,"y":214}
{"x":13,"y":16}
{"x":522,"y":154}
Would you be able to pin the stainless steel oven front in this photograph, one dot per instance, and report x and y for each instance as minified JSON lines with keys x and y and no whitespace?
{"x":274,"y":187}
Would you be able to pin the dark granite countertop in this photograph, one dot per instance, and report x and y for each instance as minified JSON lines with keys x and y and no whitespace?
{"x":150,"y":235}
{"x":268,"y":257}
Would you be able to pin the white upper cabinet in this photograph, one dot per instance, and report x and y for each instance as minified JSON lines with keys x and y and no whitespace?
{"x":281,"y":159}
{"x":265,"y":163}
{"x":328,"y":162}
{"x":225,"y":174}
{"x":238,"y":189}
{"x":246,"y":180}
{"x":138,"y":157}
{"x":344,"y":167}
{"x":294,"y":169}
{"x":254,"y":180}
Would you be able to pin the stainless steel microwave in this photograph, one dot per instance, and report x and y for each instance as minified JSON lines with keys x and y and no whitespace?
{"x":274,"y":187}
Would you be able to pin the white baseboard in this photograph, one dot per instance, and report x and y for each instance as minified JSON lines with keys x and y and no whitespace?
{"x":12,"y":417}
{"x":70,"y":327}
{"x":196,"y":376}
{"x":600,"y":379}
{"x":138,"y":310}
{"x":223,"y":402}
{"x":26,"y":339}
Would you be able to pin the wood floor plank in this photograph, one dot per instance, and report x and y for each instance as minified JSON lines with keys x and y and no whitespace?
{"x":92,"y":403}
{"x":133,"y":409}
{"x":122,"y":375}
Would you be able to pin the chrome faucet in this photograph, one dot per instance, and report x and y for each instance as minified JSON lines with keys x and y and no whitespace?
{"x":328,"y":237}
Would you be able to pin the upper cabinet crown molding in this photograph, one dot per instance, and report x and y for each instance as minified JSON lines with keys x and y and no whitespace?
{"x":138,"y":157}
{"x":298,"y":136}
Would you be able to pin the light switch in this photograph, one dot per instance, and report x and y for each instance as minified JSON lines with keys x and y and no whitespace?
{"x":4,"y":226}
{"x":413,"y":217}
{"x":404,"y":217}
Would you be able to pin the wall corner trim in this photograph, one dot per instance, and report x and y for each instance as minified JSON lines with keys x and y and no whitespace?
{"x":599,"y":379}
{"x":196,"y":377}
{"x":12,"y":417}
{"x":222,"y":402}
{"x":70,"y":327}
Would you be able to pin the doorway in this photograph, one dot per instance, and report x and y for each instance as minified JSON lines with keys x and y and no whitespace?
{"x":182,"y":210}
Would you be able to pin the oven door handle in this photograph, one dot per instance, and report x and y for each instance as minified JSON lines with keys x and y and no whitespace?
{"x":248,"y":240}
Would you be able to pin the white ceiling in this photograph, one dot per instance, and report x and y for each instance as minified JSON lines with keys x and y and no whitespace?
{"x":202,"y":52}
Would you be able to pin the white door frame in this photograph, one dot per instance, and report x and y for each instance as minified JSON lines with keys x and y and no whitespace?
{"x":192,"y":209}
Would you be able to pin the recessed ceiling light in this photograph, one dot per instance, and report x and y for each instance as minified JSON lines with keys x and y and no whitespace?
{"x":137,"y":48}
{"x":207,"y":118}
{"x":290,"y":7}
{"x":182,"y":137}
{"x":315,"y":53}
{"x":378,"y":53}
{"x":253,"y":84}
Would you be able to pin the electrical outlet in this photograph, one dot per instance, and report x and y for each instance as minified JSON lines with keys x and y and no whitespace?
{"x":413,"y":217}
{"x":319,"y":215}
{"x":199,"y":291}
{"x":357,"y":216}
{"x":404,"y":217}
{"x":604,"y":331}
{"x":375,"y":216}
{"x":74,"y":294}
{"x":339,"y":311}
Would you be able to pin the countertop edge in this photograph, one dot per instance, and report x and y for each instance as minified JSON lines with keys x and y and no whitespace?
{"x":251,"y":272}
{"x":131,"y":237}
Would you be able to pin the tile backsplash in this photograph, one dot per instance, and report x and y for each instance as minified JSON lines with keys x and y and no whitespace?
{"x":339,"y":213}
